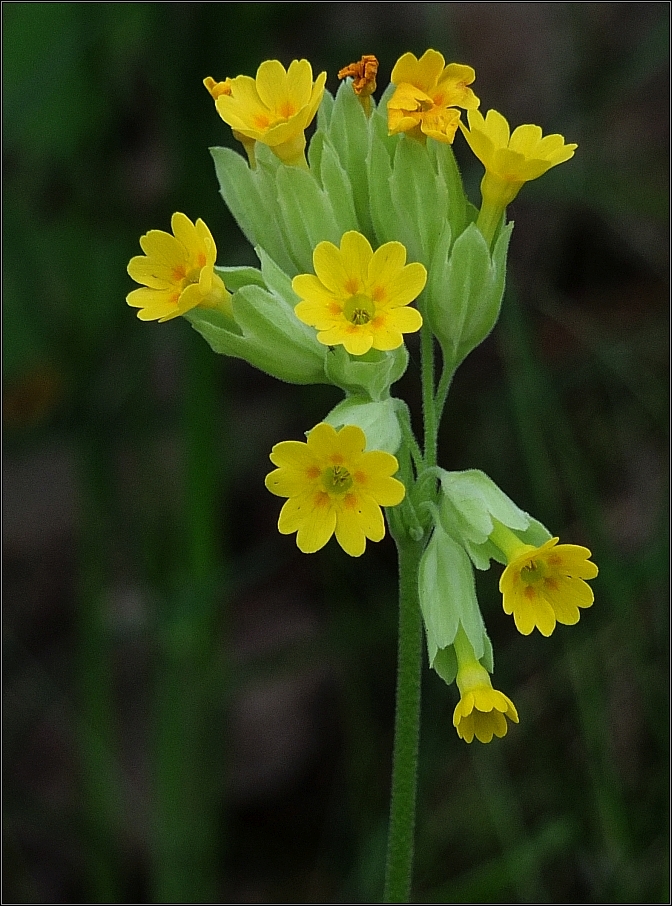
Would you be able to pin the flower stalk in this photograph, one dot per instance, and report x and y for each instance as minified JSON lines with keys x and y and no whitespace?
{"x":403,"y":794}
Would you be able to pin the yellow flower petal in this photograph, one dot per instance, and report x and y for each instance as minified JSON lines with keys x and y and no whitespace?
{"x":386,"y":263}
{"x":356,"y":340}
{"x":356,"y":253}
{"x":406,"y":287}
{"x":349,"y":533}
{"x":164,"y":248}
{"x":331,"y":269}
{"x":317,"y":525}
{"x":323,"y":440}
{"x":152,"y":298}
{"x":423,"y":73}
{"x":309,"y":288}
{"x":150,"y":272}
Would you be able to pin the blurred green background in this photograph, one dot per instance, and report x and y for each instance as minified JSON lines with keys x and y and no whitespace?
{"x":193,"y":710}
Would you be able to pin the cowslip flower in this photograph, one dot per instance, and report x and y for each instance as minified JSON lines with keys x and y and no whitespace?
{"x":333,"y":486}
{"x":363,"y":74}
{"x":427,"y":94}
{"x":275,"y":108}
{"x":177,"y":272}
{"x":481,"y":710}
{"x":510,"y":159}
{"x":544,"y":585}
{"x":358,"y":297}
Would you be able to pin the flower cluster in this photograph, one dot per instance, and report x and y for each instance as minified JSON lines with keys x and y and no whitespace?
{"x":363,"y":242}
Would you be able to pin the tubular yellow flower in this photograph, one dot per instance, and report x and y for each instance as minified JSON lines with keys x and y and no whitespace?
{"x":333,"y":486}
{"x":177,"y":272}
{"x":359,"y":297}
{"x":427,"y":94}
{"x":510,"y":159}
{"x":542,"y":585}
{"x":481,"y":710}
{"x":275,"y":108}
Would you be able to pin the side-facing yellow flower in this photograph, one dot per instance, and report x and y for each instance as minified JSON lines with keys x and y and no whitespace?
{"x":333,"y":486}
{"x":359,"y":297}
{"x":481,"y":710}
{"x":427,"y":94}
{"x":510,"y":159}
{"x":177,"y":272}
{"x":544,"y":585}
{"x":275,"y":108}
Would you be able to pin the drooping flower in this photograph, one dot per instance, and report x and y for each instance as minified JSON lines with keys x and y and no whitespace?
{"x":511,"y":158}
{"x":177,"y":272}
{"x":481,"y":710}
{"x":363,"y":74}
{"x":333,"y":486}
{"x":544,"y":585}
{"x":427,"y":94}
{"x":359,"y":297}
{"x":275,"y":108}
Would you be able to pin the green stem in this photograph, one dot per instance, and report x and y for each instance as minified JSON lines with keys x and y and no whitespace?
{"x":400,"y":844}
{"x":442,"y":391}
{"x":408,"y":436}
{"x":428,"y":410}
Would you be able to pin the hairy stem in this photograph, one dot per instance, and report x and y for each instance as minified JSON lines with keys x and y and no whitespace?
{"x":400,"y":845}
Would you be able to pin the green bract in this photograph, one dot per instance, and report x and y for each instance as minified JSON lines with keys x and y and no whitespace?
{"x":448,"y":600}
{"x":371,"y":374}
{"x":378,"y":420}
{"x":469,"y":503}
{"x":264,"y":330}
{"x":465,"y":290}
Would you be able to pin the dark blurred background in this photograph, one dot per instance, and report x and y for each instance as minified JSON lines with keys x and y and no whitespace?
{"x":193,"y":710}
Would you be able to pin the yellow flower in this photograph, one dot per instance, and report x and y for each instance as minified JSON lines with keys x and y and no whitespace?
{"x":542,"y":585}
{"x":177,"y":272}
{"x":511,"y":159}
{"x":359,"y":297}
{"x":333,"y":486}
{"x":275,"y":108}
{"x":427,"y":93}
{"x":481,"y":710}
